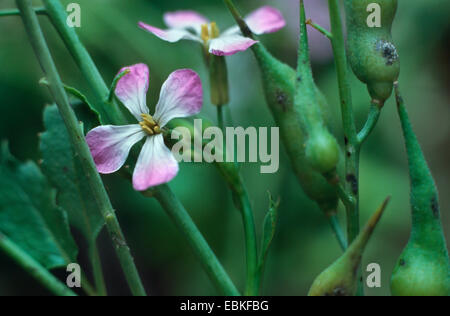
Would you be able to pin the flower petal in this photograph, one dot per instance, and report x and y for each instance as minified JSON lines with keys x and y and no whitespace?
{"x":110,"y":145}
{"x":156,"y":164}
{"x":170,"y":35}
{"x":132,"y":89}
{"x":265,"y":20}
{"x":181,"y":96}
{"x":185,"y":20}
{"x":226,"y":45}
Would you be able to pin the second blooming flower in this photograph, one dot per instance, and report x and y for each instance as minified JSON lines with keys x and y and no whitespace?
{"x":190,"y":25}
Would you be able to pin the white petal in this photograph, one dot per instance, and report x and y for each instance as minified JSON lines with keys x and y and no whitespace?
{"x":110,"y":145}
{"x":132,"y":89}
{"x":181,"y":96}
{"x":170,"y":35}
{"x":226,"y":45}
{"x":156,"y":164}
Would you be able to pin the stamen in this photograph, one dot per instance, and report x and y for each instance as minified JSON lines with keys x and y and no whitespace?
{"x":149,"y":125}
{"x":215,"y":32}
{"x":209,"y":31}
{"x":205,"y":33}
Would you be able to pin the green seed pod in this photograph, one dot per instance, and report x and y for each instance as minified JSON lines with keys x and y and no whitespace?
{"x":279,"y":82}
{"x":322,"y":150}
{"x":371,"y":51}
{"x":279,"y":86}
{"x":341,"y":278}
{"x":423,"y":268}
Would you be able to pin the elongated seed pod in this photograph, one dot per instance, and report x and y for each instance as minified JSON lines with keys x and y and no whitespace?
{"x":423,"y":268}
{"x":372,"y":54}
{"x":322,"y":150}
{"x":279,"y":82}
{"x":341,"y":278}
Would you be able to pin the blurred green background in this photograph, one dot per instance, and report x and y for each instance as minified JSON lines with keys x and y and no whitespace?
{"x":304,"y":244}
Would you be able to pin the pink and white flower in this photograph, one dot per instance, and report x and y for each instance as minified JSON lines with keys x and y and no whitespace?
{"x":181,"y":96}
{"x":190,"y":25}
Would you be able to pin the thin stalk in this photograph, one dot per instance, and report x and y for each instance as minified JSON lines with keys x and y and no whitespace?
{"x":339,"y":233}
{"x":108,"y":111}
{"x":220,"y":119}
{"x":97,"y":270}
{"x":78,"y":142}
{"x":351,"y":138}
{"x":15,"y":12}
{"x":372,"y":120}
{"x":185,"y":224}
{"x":34,"y":268}
{"x":320,"y":29}
{"x":253,"y":277}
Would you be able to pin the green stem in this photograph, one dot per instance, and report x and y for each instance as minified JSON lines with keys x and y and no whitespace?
{"x":110,"y":113}
{"x":374,"y":115}
{"x":14,"y":12}
{"x":185,"y":224}
{"x":220,"y":120}
{"x":351,"y":138}
{"x":320,"y":29}
{"x":34,"y":268}
{"x":253,"y":277}
{"x":79,"y":144}
{"x":337,"y":229}
{"x":97,"y":270}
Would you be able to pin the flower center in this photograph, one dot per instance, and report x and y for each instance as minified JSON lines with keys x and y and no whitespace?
{"x":149,"y":125}
{"x":209,"y":31}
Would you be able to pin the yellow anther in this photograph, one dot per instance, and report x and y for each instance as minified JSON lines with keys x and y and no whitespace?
{"x":209,"y":31}
{"x":205,"y":33}
{"x":157,"y":129}
{"x":149,"y":125}
{"x":215,"y":32}
{"x":148,"y":119}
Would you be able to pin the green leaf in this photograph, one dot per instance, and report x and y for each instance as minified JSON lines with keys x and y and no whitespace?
{"x":65,"y":171}
{"x":270,"y":223}
{"x":29,"y":215}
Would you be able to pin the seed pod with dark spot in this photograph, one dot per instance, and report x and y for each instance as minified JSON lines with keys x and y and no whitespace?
{"x":372,"y":54}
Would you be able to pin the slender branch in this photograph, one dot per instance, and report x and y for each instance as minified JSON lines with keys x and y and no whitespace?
{"x":79,"y":144}
{"x":97,"y":270}
{"x":253,"y":277}
{"x":34,"y":268}
{"x":14,"y":12}
{"x":220,"y":119}
{"x":320,"y":29}
{"x":374,"y":115}
{"x":109,"y":113}
{"x":184,"y":222}
{"x":337,"y":229}
{"x":351,"y":140}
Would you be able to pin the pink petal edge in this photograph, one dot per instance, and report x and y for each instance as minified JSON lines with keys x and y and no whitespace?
{"x":132,"y":89}
{"x":110,"y":145}
{"x":170,"y":35}
{"x":181,"y":96}
{"x":230,"y":44}
{"x":184,"y":19}
{"x":264,"y":20}
{"x":156,"y":164}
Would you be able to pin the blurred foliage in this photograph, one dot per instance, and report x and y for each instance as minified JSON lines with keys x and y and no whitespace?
{"x":303,"y":245}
